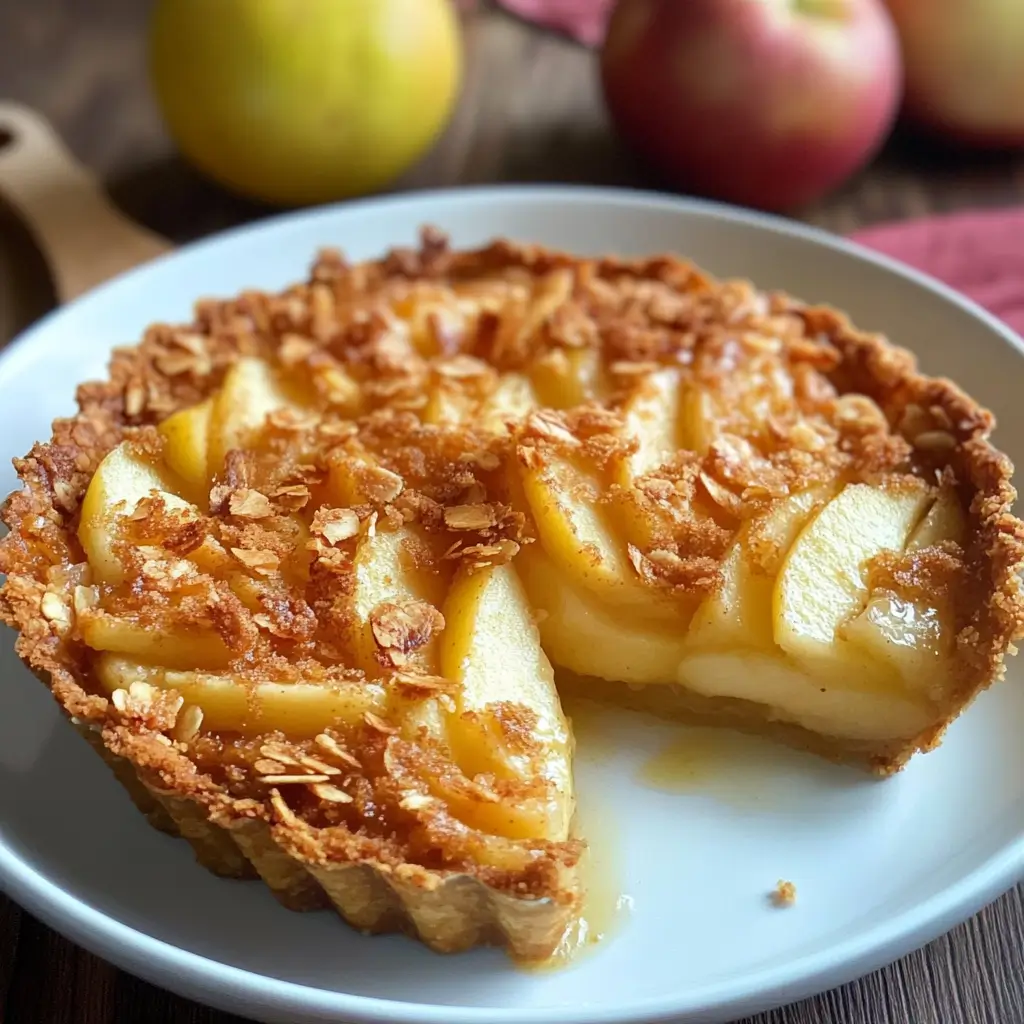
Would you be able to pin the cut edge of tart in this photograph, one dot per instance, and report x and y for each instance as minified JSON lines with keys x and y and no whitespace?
{"x":297,"y":568}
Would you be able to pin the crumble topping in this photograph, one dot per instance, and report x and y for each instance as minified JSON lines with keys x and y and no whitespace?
{"x":784,"y":894}
{"x":415,"y":382}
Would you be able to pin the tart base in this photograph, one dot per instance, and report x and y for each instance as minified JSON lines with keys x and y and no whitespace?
{"x":447,"y":911}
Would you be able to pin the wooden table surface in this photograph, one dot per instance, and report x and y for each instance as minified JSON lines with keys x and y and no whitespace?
{"x":530,"y":111}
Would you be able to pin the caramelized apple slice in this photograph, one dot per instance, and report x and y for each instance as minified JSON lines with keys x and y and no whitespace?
{"x":945,"y":521}
{"x":394,"y":621}
{"x":418,"y":717}
{"x":738,"y":396}
{"x":739,"y":613}
{"x":447,"y":405}
{"x":186,"y":443}
{"x":699,"y":419}
{"x":652,"y":416}
{"x":566,"y":378}
{"x":436,"y":324}
{"x":359,"y":480}
{"x":300,"y":710}
{"x":251,"y":391}
{"x":827,"y":684}
{"x":911,"y":635}
{"x":120,"y":482}
{"x":908,"y":636}
{"x":510,"y":401}
{"x":576,"y":536}
{"x":822,"y":583}
{"x":186,"y":647}
{"x":580,"y":634}
{"x":508,"y":721}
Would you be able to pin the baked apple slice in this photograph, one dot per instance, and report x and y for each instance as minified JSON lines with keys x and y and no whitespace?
{"x":582,"y":634}
{"x":124,"y":477}
{"x":186,"y":445}
{"x":251,"y":391}
{"x":823,"y":581}
{"x":577,"y":534}
{"x":508,"y":721}
{"x":652,"y":417}
{"x":395,"y":619}
{"x":231,"y":704}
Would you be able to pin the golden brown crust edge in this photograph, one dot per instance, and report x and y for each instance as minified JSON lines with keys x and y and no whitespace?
{"x":448,"y":912}
{"x":990,"y":613}
{"x":282,"y":851}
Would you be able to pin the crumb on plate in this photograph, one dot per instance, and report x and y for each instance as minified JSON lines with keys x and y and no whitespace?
{"x":784,"y":894}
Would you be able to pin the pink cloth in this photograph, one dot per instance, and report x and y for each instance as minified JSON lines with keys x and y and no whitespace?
{"x":980,"y":254}
{"x":582,"y":20}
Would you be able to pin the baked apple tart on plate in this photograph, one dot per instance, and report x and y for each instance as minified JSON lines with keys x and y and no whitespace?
{"x":305,"y":570}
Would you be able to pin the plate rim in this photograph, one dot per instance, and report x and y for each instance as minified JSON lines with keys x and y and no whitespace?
{"x":234,"y":988}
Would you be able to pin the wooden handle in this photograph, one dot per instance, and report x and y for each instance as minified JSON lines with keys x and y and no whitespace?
{"x":84,"y":238}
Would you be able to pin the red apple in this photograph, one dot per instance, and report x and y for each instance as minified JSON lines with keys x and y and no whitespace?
{"x":964,"y":62}
{"x":768,"y":103}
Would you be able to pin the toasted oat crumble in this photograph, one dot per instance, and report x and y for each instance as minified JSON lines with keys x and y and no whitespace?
{"x":405,"y":366}
{"x":784,"y":894}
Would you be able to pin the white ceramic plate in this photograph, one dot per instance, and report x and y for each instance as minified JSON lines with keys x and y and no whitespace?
{"x":880,"y":867}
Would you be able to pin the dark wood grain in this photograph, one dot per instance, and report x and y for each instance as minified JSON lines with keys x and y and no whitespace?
{"x":530,"y":111}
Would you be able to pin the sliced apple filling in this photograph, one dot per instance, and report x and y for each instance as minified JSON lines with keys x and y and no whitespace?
{"x":652,"y":566}
{"x":446,"y":657}
{"x":789,"y":622}
{"x":865,"y":672}
{"x":304,"y":569}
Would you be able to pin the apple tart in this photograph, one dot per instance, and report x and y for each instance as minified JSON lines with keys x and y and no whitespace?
{"x":300,"y":569}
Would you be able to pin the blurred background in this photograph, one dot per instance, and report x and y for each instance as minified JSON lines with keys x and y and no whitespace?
{"x":198,"y":115}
